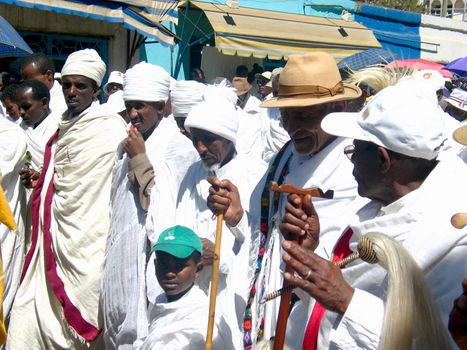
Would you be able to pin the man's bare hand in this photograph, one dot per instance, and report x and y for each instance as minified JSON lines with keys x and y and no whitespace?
{"x":301,"y":221}
{"x":318,"y":277}
{"x":29,"y":177}
{"x":208,"y":252}
{"x":458,"y":319}
{"x":224,"y":198}
{"x":134,"y":144}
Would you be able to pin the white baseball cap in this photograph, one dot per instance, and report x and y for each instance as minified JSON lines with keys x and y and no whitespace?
{"x":431,"y":77}
{"x":115,"y":77}
{"x":404,"y":118}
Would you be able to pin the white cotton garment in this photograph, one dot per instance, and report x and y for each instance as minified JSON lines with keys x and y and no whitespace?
{"x":81,"y":171}
{"x":329,"y":169}
{"x":235,"y":271}
{"x":181,"y":324}
{"x":123,"y":300}
{"x":12,"y":157}
{"x":421,"y":222}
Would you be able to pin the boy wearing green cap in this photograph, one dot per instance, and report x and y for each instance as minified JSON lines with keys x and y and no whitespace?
{"x":179,"y":317}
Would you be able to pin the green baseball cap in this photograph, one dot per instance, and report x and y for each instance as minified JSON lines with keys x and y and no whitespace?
{"x":178,"y":241}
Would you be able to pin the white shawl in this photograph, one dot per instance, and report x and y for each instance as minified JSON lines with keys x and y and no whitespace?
{"x":67,"y":262}
{"x":12,"y":152}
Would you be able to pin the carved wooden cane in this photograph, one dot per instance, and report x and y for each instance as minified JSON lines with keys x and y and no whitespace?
{"x":286,"y":297}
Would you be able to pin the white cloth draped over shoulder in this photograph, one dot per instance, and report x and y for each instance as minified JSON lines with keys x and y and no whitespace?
{"x":57,"y":303}
{"x":12,"y":153}
{"x":57,"y":102}
{"x":124,"y":285}
{"x":180,"y":324}
{"x":328,"y":170}
{"x":37,"y":138}
{"x":272,"y":132}
{"x":421,"y":221}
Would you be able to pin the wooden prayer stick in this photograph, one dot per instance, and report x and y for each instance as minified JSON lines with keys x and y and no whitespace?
{"x":286,"y":297}
{"x":214,"y":282}
{"x":459,"y":220}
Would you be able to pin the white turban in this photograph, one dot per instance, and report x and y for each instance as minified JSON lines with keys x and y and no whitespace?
{"x":218,"y":117}
{"x":87,"y":63}
{"x":146,"y":82}
{"x":184,"y":95}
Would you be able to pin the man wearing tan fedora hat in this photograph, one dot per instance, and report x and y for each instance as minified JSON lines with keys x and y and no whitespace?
{"x":246,"y":100}
{"x":310,"y":87}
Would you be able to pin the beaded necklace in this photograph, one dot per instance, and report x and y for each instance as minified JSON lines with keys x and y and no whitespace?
{"x":247,"y":324}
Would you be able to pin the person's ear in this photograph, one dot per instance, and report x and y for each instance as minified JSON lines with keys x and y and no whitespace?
{"x":96,"y":92}
{"x":45,"y":102}
{"x":50,"y":75}
{"x":384,"y":160}
{"x":199,"y":268}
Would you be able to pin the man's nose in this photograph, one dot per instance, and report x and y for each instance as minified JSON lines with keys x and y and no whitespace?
{"x":200,"y":147}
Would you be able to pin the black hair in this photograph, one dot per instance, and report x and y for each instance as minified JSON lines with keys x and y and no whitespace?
{"x":10,"y":93}
{"x":43,"y":62}
{"x":39,"y":89}
{"x":241,"y":71}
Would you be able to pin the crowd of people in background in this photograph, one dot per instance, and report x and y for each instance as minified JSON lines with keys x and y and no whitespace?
{"x":116,"y":187}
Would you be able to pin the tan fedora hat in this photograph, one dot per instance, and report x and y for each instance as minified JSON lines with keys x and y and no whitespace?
{"x":460,"y":135}
{"x":311,"y":79}
{"x":241,"y":85}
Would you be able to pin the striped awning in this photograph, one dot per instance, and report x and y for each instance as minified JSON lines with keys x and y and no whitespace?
{"x":142,"y":16}
{"x":276,"y":35}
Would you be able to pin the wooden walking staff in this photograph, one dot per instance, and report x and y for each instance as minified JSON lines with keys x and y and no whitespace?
{"x":286,"y":298}
{"x":214,"y":281}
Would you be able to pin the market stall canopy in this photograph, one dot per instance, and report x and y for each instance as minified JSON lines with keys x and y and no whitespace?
{"x":11,"y":43}
{"x":142,"y":16}
{"x":247,"y":32}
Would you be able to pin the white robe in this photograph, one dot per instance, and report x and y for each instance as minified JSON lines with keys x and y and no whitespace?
{"x":12,"y":153}
{"x":329,"y":170}
{"x":273,"y":133}
{"x":179,"y":325}
{"x":67,"y":263}
{"x":421,"y":222}
{"x":57,"y":102}
{"x":37,"y":138}
{"x":192,"y":211}
{"x":124,"y":286}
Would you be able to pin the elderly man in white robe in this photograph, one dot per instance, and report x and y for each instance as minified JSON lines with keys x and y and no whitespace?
{"x":310,"y":87}
{"x":57,"y":303}
{"x":213,"y":126}
{"x":12,"y":158}
{"x":414,"y":195}
{"x":156,"y":155}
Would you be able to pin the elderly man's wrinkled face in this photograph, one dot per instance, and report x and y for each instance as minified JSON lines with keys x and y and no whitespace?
{"x":32,"y":111}
{"x":145,"y":116}
{"x":213,"y":149}
{"x":112,"y":88}
{"x":303,"y":124}
{"x":79,"y":92}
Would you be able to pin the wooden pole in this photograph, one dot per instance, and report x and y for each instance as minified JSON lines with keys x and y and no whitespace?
{"x":214,"y":282}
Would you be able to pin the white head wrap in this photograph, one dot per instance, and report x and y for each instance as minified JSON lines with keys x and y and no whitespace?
{"x":87,"y":63}
{"x":146,"y":82}
{"x":115,"y":102}
{"x":184,"y":95}
{"x":219,"y":117}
